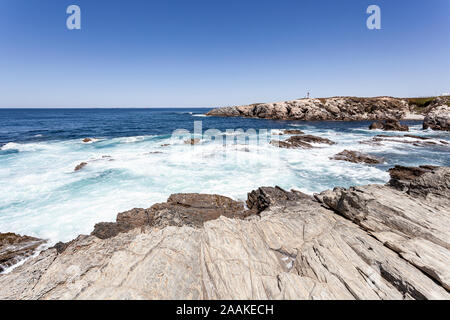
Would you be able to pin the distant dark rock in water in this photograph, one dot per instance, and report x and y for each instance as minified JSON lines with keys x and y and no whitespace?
{"x":356,"y":157}
{"x":438,"y":119}
{"x":14,"y":248}
{"x":303,"y":141}
{"x":165,"y":145}
{"x":414,"y":137}
{"x":293,"y":132}
{"x":86,"y":140}
{"x":80,"y":166}
{"x":192,"y":141}
{"x":389,"y":125}
{"x":264,"y":197}
{"x":180,"y":209}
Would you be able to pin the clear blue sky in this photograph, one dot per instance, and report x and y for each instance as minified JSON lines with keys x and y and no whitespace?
{"x":141,"y":53}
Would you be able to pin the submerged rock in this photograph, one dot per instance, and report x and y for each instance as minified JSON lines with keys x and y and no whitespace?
{"x":80,"y":166}
{"x":14,"y":248}
{"x":336,"y":108}
{"x":421,"y":181}
{"x":86,"y":140}
{"x":401,"y":176}
{"x":438,"y":119}
{"x":416,"y":227}
{"x":369,"y":242}
{"x":356,"y":157}
{"x":264,"y":197}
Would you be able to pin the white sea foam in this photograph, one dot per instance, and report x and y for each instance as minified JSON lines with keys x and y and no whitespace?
{"x":42,"y":196}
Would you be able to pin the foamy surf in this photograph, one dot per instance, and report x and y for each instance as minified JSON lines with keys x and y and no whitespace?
{"x":42,"y":196}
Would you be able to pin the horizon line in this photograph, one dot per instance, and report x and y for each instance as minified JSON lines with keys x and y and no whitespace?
{"x":221,"y":106}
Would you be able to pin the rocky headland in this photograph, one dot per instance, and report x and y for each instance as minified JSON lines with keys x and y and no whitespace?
{"x":438,"y":118}
{"x":367,"y":242}
{"x":436,"y":110}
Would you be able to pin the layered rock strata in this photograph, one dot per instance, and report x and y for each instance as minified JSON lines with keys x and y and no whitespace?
{"x":367,"y":242}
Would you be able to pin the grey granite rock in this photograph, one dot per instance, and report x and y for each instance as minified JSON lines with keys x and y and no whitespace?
{"x":369,"y":242}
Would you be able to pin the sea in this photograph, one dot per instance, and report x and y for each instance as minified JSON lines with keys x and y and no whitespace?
{"x":139,"y":157}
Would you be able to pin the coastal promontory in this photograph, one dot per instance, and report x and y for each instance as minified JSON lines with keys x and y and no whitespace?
{"x":366,"y":242}
{"x":337,"y":109}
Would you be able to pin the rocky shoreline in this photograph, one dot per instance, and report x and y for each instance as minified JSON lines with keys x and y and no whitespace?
{"x":435,"y":111}
{"x":365,"y":242}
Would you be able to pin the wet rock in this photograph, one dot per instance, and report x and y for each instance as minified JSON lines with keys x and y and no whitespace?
{"x":303,"y":141}
{"x":336,"y":108}
{"x":180,"y":209}
{"x":413,"y":223}
{"x":436,"y":181}
{"x":192,"y":141}
{"x":311,"y":139}
{"x":389,"y":125}
{"x":419,"y":142}
{"x":356,"y":157}
{"x":80,"y":166}
{"x":394,"y":125}
{"x":264,"y":197}
{"x":401,"y":176}
{"x":366,"y":243}
{"x":61,"y":246}
{"x":414,"y":137}
{"x":86,"y":140}
{"x":125,"y":221}
{"x":165,"y":145}
{"x":438,"y":119}
{"x":14,"y":248}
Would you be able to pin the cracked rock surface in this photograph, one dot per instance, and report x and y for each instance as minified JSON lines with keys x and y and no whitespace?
{"x":368,"y":242}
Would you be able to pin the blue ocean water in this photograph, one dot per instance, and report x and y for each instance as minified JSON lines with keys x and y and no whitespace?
{"x":133,"y":161}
